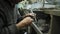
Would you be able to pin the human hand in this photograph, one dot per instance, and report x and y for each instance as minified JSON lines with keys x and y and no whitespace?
{"x":30,"y":15}
{"x":25,"y":22}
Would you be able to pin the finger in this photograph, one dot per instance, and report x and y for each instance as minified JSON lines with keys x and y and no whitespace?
{"x":32,"y":14}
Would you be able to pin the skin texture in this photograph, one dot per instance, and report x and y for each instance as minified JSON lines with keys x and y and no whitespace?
{"x":26,"y":21}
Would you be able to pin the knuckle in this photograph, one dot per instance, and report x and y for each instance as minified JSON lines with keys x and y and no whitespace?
{"x":29,"y":17}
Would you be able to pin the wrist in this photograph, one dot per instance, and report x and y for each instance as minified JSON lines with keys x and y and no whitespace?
{"x":17,"y":26}
{"x":20,"y":25}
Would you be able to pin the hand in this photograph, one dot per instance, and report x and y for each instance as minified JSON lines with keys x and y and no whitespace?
{"x":25,"y":22}
{"x":30,"y":15}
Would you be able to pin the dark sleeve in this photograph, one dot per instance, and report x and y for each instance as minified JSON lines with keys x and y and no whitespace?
{"x":19,"y":19}
{"x":11,"y":29}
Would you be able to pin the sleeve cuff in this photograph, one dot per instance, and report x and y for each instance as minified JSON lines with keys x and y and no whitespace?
{"x":19,"y":19}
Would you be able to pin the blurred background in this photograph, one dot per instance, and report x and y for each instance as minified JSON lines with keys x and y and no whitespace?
{"x":47,"y":20}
